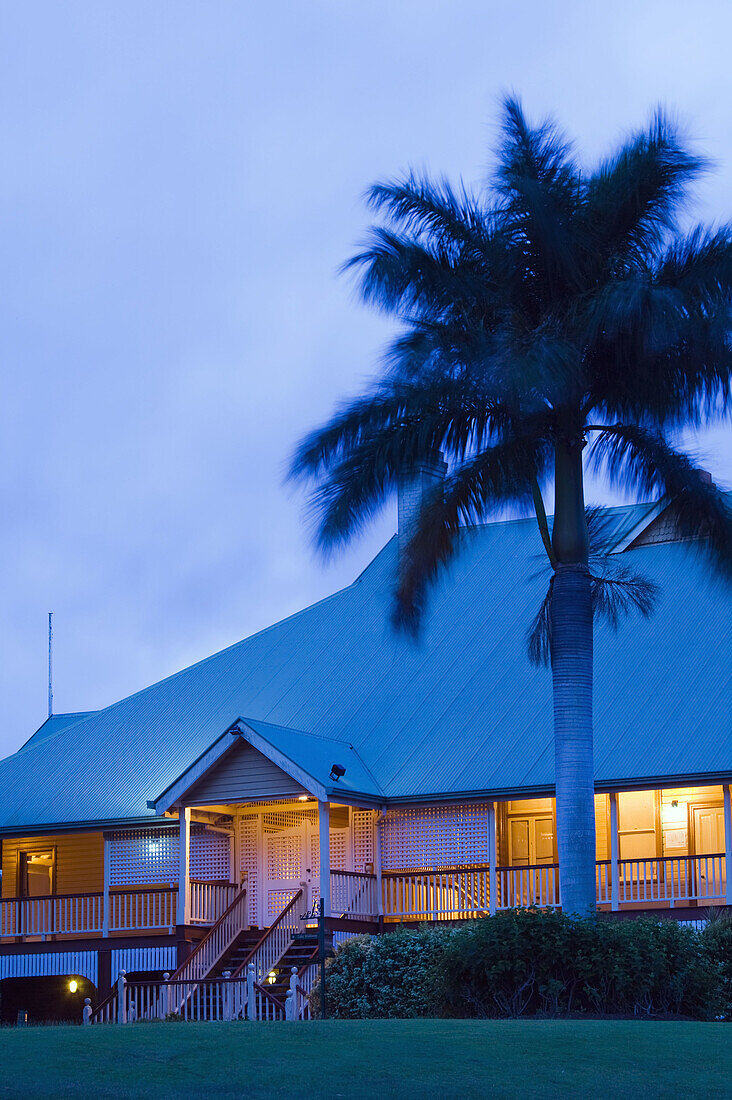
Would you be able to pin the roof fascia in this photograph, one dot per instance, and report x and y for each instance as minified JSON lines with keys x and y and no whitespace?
{"x":96,"y":826}
{"x":295,"y":771}
{"x":638,"y":529}
{"x":172,"y":794}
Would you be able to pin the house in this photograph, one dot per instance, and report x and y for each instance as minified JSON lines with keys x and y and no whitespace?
{"x":191,"y":826}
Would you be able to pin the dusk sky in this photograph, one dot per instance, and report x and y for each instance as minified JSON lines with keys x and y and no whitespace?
{"x":180,"y":183}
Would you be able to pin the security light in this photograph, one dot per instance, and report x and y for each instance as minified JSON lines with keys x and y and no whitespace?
{"x":336,"y":771}
{"x":73,"y":985}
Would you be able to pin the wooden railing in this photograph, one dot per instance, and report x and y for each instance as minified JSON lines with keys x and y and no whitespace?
{"x":303,"y":986}
{"x":231,"y":923}
{"x":668,"y":880}
{"x":461,"y":893}
{"x":59,"y":915}
{"x":210,"y":900}
{"x":436,"y":895}
{"x":353,"y":894}
{"x":276,"y":941}
{"x":522,"y":887}
{"x":141,"y":909}
{"x":206,"y":999}
{"x":151,"y":909}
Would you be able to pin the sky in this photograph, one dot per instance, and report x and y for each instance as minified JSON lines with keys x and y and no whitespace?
{"x":180,"y":183}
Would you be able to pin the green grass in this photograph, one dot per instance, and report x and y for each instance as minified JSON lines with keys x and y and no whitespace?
{"x":375,"y":1059}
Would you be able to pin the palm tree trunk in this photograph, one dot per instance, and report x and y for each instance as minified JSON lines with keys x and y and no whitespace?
{"x":571,"y":652}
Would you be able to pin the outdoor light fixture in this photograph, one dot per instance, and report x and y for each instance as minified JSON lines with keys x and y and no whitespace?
{"x":73,"y":985}
{"x":336,"y":771}
{"x":302,"y":798}
{"x":272,"y":977}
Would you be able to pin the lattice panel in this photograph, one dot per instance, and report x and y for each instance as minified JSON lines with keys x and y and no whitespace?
{"x":147,"y":856}
{"x":210,"y":855}
{"x":249,"y":864}
{"x":441,"y":836}
{"x":362,"y":838}
{"x":276,"y":902}
{"x":338,"y":851}
{"x":288,"y":819}
{"x":284,"y":857}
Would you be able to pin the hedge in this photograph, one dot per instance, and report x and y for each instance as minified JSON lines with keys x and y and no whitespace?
{"x":535,"y":962}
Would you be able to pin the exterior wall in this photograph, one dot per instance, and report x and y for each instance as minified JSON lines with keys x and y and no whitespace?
{"x":243,"y":775}
{"x":79,"y":861}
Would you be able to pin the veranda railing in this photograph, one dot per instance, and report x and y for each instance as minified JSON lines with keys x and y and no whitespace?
{"x":207,"y":999}
{"x":129,"y":909}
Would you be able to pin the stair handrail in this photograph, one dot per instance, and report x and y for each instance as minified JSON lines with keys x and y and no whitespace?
{"x":267,"y":935}
{"x":218,"y":938}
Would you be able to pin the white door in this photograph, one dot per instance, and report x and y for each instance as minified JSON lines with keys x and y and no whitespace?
{"x":284,"y":867}
{"x":709,"y":841}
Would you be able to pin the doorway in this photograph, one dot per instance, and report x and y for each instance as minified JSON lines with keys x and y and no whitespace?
{"x":531,"y":840}
{"x":708,"y":833}
{"x":36,"y":873}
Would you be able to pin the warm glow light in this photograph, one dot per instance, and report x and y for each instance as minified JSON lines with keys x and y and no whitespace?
{"x":272,"y":977}
{"x":73,"y":985}
{"x":302,"y":798}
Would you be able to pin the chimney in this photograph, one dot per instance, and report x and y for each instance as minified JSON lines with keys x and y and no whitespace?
{"x":428,"y":475}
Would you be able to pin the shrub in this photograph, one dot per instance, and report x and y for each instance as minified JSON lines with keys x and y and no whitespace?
{"x":530,"y":962}
{"x":393,"y":975}
{"x":716,"y":943}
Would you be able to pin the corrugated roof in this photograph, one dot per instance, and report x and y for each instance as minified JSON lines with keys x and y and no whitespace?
{"x":54,"y":724}
{"x":460,"y":711}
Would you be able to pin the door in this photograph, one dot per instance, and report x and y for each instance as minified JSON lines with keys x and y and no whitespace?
{"x":283,"y":869}
{"x":709,"y":841}
{"x":36,"y":880}
{"x":531,"y":840}
{"x":531,"y":845}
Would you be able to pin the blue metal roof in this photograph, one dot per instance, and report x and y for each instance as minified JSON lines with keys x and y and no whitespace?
{"x":459,"y":712}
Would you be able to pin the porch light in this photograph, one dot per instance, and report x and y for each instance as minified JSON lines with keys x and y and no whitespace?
{"x":336,"y":771}
{"x":272,"y":977}
{"x":73,"y":985}
{"x":302,"y":798}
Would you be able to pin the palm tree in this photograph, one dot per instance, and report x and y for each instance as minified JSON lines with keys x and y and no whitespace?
{"x":557,"y":309}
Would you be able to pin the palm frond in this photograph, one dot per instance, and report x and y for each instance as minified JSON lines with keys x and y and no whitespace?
{"x":634,"y":198}
{"x":636,"y":456}
{"x":617,"y":591}
{"x":498,"y":475}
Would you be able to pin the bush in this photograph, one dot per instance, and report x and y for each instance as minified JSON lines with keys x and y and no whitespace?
{"x":531,"y":962}
{"x":716,"y":942}
{"x":528,"y":961}
{"x":378,"y":977}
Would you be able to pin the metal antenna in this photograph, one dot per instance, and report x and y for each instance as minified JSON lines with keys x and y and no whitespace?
{"x":50,"y":663}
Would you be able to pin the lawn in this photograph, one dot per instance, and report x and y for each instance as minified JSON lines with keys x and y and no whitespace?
{"x":382,"y":1059}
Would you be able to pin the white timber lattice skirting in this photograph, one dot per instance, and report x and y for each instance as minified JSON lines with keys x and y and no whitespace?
{"x":132,"y":959}
{"x":81,"y":963}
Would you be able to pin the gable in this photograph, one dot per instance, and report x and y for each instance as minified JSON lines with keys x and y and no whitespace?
{"x":662,"y":529}
{"x":243,"y":774}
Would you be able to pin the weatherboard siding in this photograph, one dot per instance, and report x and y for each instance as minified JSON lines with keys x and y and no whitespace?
{"x":79,"y":861}
{"x":243,"y":775}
